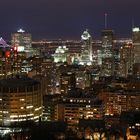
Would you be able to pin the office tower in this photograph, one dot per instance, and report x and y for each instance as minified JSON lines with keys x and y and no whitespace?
{"x":60,"y":54}
{"x":107,"y":53}
{"x":48,"y":71}
{"x":83,"y":78}
{"x":22,"y":42}
{"x":126,"y":60}
{"x":22,"y":50}
{"x":97,"y":56}
{"x":26,"y":66}
{"x":5,"y":59}
{"x":116,"y":53}
{"x":136,"y":44}
{"x":12,"y":60}
{"x":20,"y":100}
{"x":67,"y":82}
{"x":86,"y":49}
{"x":50,"y":103}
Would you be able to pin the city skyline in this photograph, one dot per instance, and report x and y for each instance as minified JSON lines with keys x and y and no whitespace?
{"x":70,"y":70}
{"x":67,"y":19}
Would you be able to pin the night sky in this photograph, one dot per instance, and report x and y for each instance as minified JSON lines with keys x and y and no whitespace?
{"x":67,"y":19}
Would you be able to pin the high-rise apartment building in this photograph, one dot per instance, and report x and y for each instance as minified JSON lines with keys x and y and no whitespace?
{"x":20,"y":100}
{"x":107,"y":53}
{"x":78,"y":105}
{"x":117,"y":102}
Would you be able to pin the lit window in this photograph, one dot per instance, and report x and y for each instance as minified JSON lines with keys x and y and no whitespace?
{"x":71,"y":100}
{"x":87,"y":106}
{"x":22,"y":99}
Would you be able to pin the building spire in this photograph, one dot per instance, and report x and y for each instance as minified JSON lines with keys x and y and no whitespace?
{"x":133,"y":24}
{"x":105,"y":18}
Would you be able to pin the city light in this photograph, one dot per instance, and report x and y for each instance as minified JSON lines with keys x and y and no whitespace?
{"x":20,"y":31}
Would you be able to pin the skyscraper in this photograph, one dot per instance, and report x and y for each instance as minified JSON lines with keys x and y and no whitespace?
{"x":60,"y":54}
{"x":126,"y":60}
{"x":136,"y":44}
{"x":22,"y":42}
{"x":86,"y":50}
{"x":5,"y":59}
{"x":107,"y":53}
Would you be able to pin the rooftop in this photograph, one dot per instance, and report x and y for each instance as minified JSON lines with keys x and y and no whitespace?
{"x":17,"y":82}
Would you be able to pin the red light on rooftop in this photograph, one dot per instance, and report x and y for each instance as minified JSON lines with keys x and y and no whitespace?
{"x":7,"y":54}
{"x":15,"y":48}
{"x":98,"y":116}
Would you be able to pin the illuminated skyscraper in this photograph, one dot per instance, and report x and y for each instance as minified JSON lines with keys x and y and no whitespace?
{"x":22,"y":42}
{"x":5,"y":59}
{"x":86,"y":51}
{"x":107,"y":53}
{"x":60,"y":54}
{"x":136,"y":44}
{"x":126,"y":60}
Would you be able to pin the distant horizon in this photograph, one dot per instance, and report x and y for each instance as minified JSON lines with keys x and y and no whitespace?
{"x":6,"y":37}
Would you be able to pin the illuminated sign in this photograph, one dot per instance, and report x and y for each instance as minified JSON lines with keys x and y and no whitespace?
{"x":20,"y":49}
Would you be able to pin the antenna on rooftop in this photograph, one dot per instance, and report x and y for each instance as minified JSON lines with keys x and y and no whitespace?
{"x":105,"y":17}
{"x":133,"y":24}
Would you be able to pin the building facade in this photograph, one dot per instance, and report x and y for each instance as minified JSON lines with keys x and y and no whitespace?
{"x":20,"y":100}
{"x":86,"y":49}
{"x":107,"y":53}
{"x":22,"y":42}
{"x":136,"y":44}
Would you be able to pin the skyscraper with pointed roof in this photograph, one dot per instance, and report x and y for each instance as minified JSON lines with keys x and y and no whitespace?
{"x":86,"y":49}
